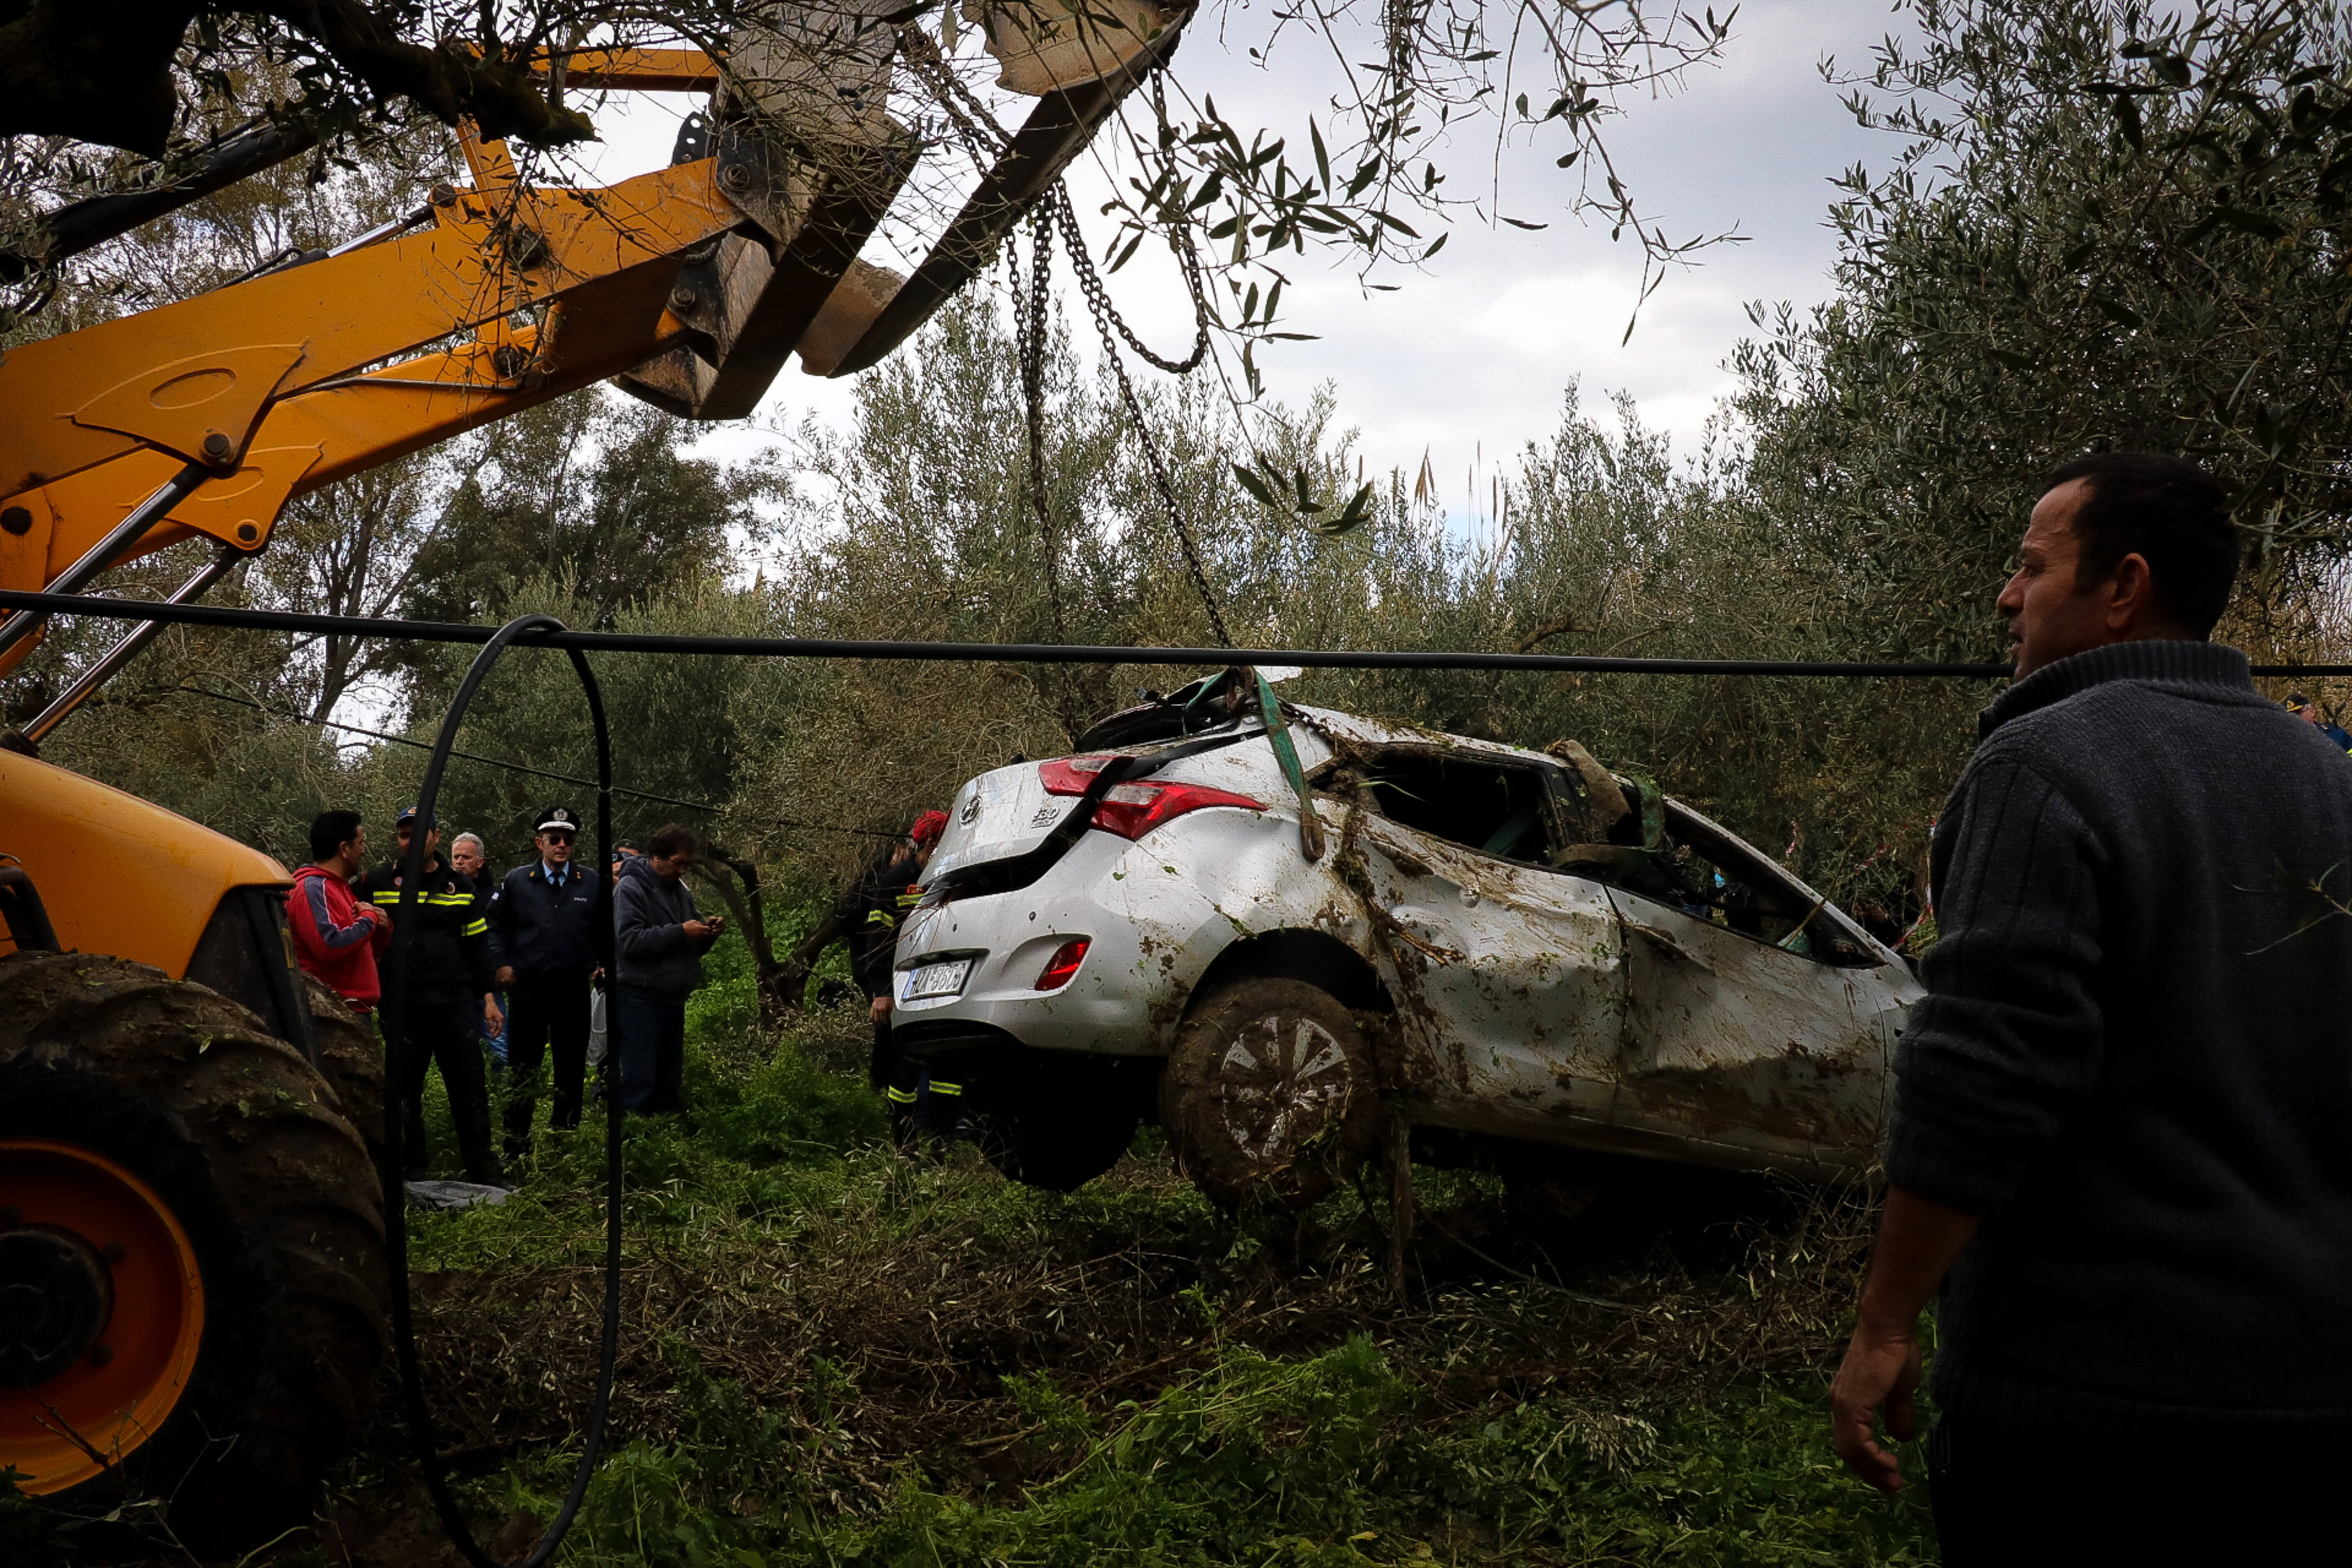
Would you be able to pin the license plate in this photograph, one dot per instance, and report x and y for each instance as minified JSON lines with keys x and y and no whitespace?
{"x":937,"y":979}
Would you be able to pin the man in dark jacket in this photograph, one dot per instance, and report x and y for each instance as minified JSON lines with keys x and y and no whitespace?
{"x":446,"y":994}
{"x":2119,"y":1135}
{"x":872,"y":910}
{"x":543,"y":940}
{"x":658,"y":940}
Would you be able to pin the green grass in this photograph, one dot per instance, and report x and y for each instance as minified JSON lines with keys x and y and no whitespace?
{"x":1349,"y":1442}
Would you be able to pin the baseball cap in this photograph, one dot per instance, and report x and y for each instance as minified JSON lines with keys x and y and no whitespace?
{"x":556,"y":816}
{"x":928,"y":827}
{"x":408,"y":814}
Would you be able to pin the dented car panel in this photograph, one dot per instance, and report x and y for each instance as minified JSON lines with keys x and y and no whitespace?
{"x":1724,"y":1013}
{"x":1511,"y":982}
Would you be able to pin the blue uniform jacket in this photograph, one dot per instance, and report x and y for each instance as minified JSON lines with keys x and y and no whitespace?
{"x":543,"y":932}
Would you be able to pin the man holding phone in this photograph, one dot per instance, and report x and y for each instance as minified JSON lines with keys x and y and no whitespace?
{"x":659,"y":939}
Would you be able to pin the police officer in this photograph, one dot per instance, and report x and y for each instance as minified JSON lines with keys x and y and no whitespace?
{"x":542,"y":936}
{"x":434,"y":1017}
{"x":883,"y":897}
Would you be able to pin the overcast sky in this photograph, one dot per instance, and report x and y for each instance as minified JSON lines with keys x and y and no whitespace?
{"x":1473,"y":356}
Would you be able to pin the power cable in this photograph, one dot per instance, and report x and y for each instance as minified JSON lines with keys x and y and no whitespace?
{"x":293,"y":716}
{"x":1025,"y":653}
{"x":395,"y":1215}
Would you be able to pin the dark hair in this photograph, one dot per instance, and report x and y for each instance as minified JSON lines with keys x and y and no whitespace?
{"x":330,"y":830}
{"x":670,"y":839}
{"x":2167,"y":511}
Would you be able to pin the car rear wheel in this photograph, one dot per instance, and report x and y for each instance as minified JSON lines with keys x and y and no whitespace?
{"x":193,"y":1281}
{"x":1270,"y":1097}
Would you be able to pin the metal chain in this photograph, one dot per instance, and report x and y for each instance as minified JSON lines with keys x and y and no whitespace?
{"x":970,"y":116}
{"x":1099,"y":307}
{"x":1029,"y":335}
{"x":950,"y":89}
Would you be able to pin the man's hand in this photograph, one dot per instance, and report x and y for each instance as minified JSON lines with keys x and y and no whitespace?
{"x":879,"y":1010}
{"x":1917,"y":1240}
{"x":505,"y":977}
{"x":491,"y":1014}
{"x":700,"y":928}
{"x":1881,"y":1369}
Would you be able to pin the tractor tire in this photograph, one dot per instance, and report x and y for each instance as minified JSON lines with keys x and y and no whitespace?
{"x":1056,"y":1120}
{"x":1270,"y":1097}
{"x":192,"y":1275}
{"x":352,"y":1061}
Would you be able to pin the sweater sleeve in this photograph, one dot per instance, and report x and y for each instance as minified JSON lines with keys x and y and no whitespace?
{"x":315,"y":926}
{"x":2009,"y":1041}
{"x":640,"y":931}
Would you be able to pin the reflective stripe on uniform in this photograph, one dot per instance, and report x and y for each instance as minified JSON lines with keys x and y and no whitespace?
{"x":939,"y":1088}
{"x":477,"y":929}
{"x":902,"y":1096}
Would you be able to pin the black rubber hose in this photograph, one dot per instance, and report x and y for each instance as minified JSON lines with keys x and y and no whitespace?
{"x":395,"y":1217}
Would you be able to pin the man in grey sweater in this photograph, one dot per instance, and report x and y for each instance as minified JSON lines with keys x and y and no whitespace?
{"x":659,"y":939}
{"x":2121,"y":1132}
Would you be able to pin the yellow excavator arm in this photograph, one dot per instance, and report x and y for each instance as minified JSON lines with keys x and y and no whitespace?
{"x":689,"y":287}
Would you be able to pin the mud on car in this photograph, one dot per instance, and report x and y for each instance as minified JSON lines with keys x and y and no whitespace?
{"x":1273,"y":928}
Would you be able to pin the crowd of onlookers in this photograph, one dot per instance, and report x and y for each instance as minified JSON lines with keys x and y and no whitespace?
{"x":509,"y":976}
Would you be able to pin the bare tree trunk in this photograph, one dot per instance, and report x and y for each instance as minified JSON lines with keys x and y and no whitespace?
{"x":783,"y":982}
{"x":794,"y":974}
{"x":738,"y":882}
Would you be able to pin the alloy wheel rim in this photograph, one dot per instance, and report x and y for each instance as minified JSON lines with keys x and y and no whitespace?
{"x":1286,"y":1078}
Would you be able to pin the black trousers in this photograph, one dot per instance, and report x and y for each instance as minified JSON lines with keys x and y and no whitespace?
{"x":922,"y":1105}
{"x":2084,"y":1493}
{"x":649,"y":1032}
{"x":545,"y":1017}
{"x":423,"y":1034}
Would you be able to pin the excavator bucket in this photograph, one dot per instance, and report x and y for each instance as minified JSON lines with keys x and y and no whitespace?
{"x":802,"y":115}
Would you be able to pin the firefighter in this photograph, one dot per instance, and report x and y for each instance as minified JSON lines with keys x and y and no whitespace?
{"x":543,"y":940}
{"x":446,"y":995}
{"x":872,"y":910}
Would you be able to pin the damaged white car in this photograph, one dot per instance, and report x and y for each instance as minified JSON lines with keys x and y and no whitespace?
{"x":1481,"y":941}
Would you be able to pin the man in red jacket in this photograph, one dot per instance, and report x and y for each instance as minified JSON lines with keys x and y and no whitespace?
{"x":336,"y":937}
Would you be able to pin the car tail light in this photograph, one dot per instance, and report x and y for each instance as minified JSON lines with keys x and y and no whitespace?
{"x":1064,"y":964}
{"x":1134,"y":809}
{"x":1070,"y":776}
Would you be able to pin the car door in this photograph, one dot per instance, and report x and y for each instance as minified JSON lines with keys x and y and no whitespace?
{"x":1508,"y":976}
{"x":1742,"y":1029}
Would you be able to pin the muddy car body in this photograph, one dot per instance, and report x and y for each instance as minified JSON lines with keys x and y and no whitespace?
{"x":1511,"y":946}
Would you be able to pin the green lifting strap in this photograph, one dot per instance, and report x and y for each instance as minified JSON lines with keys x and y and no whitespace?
{"x":1311,"y":825}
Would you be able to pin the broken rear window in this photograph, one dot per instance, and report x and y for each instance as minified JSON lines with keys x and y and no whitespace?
{"x":1495,"y":809}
